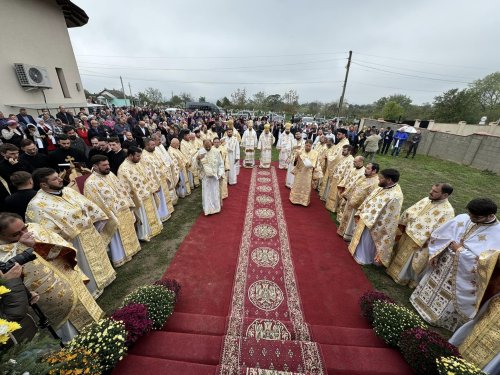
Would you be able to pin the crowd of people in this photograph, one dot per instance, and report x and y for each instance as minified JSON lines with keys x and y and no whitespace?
{"x":85,"y":190}
{"x":451,"y":262}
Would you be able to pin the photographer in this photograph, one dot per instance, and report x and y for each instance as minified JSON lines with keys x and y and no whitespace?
{"x":14,"y":305}
{"x":63,"y":297}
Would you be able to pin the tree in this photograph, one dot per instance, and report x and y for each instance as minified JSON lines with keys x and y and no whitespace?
{"x":392,"y":110}
{"x":239,"y":98}
{"x":225,"y":102}
{"x":176,"y":101}
{"x":403,"y":101}
{"x":273,"y":102}
{"x":487,"y":93}
{"x":259,"y":100}
{"x":202,"y":99}
{"x":186,"y":97}
{"x":151,"y":96}
{"x":488,"y":90}
{"x":456,"y":105}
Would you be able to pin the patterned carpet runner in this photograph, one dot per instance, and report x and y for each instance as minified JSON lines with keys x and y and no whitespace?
{"x":266,"y":332}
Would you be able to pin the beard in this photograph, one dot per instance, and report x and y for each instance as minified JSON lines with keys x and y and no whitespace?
{"x":55,"y":187}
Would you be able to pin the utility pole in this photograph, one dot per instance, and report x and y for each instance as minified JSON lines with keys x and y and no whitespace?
{"x":343,"y":89}
{"x":123,"y":88}
{"x":130,"y":90}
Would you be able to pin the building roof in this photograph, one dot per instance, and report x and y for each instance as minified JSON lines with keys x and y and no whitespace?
{"x":74,"y":15}
{"x":111,"y":93}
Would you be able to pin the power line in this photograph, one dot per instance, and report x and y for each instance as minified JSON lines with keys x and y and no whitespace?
{"x":409,"y":75}
{"x":214,"y":82}
{"x":213,"y":57}
{"x":110,"y":66}
{"x":393,"y":88}
{"x":412,"y":70}
{"x":423,"y":62}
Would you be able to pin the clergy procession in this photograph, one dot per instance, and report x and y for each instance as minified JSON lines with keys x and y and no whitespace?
{"x":85,"y":213}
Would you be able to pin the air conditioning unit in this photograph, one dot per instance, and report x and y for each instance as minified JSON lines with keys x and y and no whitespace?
{"x":32,"y":76}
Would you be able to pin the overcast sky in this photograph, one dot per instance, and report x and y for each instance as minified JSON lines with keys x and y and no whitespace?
{"x":210,"y":48}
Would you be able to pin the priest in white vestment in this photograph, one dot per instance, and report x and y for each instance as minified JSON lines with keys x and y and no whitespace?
{"x":463,"y":254}
{"x":265,"y":145}
{"x":211,"y":169}
{"x":249,"y":143}
{"x":233,"y":152}
{"x":284,"y":144}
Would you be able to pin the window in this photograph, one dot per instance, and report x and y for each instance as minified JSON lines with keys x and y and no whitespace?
{"x":62,"y":82}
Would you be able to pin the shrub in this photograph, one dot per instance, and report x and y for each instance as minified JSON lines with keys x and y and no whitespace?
{"x":76,"y":361}
{"x":456,"y":366}
{"x":159,"y":300}
{"x":136,"y":320}
{"x":105,"y":338}
{"x":390,"y":320}
{"x":170,"y":284}
{"x":421,"y":347}
{"x":368,"y":299}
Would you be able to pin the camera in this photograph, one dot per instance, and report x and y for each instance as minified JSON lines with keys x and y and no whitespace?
{"x":22,"y":258}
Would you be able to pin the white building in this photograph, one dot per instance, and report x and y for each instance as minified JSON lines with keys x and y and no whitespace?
{"x":34,"y":33}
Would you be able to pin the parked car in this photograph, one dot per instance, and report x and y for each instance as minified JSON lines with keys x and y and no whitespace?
{"x":203,"y":106}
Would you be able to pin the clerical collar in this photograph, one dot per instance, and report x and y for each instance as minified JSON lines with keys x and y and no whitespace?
{"x":56,"y":193}
{"x":491,"y":222}
{"x":390,"y":187}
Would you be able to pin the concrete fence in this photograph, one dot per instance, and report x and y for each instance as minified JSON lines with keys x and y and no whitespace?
{"x":480,"y":150}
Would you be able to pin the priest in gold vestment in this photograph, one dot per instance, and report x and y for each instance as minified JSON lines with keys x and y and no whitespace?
{"x":355,"y":195}
{"x":339,"y":172}
{"x":106,"y":190}
{"x":171,"y":168}
{"x":332,"y":157}
{"x":463,"y":253}
{"x":53,"y":275}
{"x":416,"y":225}
{"x":189,"y":150}
{"x":156,"y":179}
{"x":75,"y":218}
{"x":351,"y":177}
{"x":305,"y":171}
{"x":135,"y":181}
{"x":219,"y":146}
{"x":298,"y":144}
{"x":373,"y":238}
{"x":479,"y":339}
{"x":183,"y":163}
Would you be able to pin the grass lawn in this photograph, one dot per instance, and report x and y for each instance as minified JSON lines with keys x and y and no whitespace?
{"x":417,"y":177}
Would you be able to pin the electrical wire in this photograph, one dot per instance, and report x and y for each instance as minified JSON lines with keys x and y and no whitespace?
{"x":409,"y":75}
{"x":214,"y":57}
{"x":109,"y":66}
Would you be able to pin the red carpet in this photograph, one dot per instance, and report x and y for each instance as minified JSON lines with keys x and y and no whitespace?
{"x":328,"y":281}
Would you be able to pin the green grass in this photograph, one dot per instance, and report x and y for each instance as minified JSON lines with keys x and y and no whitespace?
{"x":417,"y":177}
{"x":151,"y":262}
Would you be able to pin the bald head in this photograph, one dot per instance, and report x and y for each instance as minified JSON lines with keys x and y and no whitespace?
{"x":358,"y":162}
{"x":174,"y":143}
